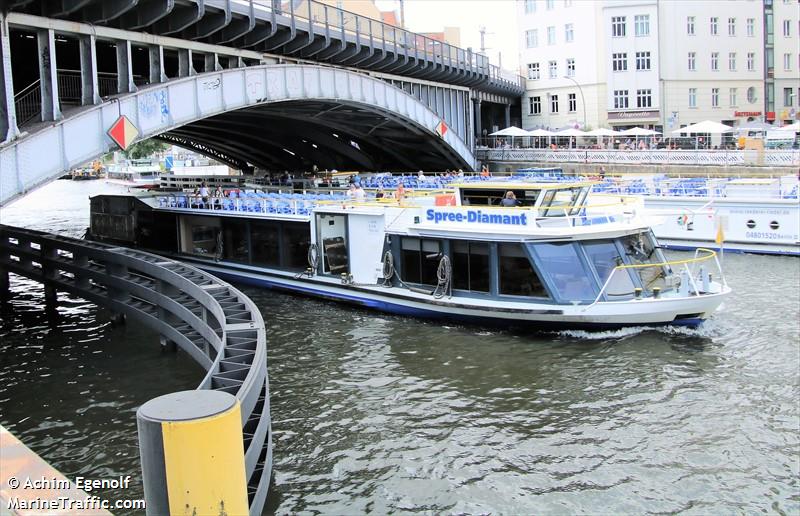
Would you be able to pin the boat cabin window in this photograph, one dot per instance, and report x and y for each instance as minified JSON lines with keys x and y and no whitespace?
{"x":265,"y":243}
{"x":420,"y":259}
{"x":492,"y":197}
{"x":235,"y":241}
{"x":640,"y":250}
{"x":202,"y":239}
{"x":517,"y":277}
{"x":470,"y":265}
{"x":295,"y":239}
{"x":604,"y":257}
{"x":562,"y":202}
{"x":559,"y":261}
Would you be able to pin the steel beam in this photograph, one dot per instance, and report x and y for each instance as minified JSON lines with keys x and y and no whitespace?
{"x":156,"y":58}
{"x":48,"y":79}
{"x":146,"y":13}
{"x":185,"y":64}
{"x":88,"y":53}
{"x":124,"y":68}
{"x":8,"y":112}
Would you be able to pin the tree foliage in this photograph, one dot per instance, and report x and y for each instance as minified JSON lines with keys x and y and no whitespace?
{"x":145,"y":149}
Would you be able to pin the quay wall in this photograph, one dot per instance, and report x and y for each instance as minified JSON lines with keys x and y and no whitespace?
{"x":590,"y":169}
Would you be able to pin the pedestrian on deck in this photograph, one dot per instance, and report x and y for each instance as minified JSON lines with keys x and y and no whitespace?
{"x":204,"y":192}
{"x":509,"y":200}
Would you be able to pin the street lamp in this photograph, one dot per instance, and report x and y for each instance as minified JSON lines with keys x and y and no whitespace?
{"x":583,"y":100}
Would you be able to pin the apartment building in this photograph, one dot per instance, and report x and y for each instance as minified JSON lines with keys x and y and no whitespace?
{"x":782,"y":53}
{"x":660,"y":64}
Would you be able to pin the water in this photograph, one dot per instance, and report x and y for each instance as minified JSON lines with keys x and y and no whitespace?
{"x":377,"y":413}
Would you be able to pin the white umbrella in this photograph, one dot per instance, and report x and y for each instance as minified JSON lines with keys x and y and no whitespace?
{"x":511,"y":131}
{"x":602,"y":132}
{"x":570,"y":132}
{"x":540,"y":132}
{"x":706,"y":126}
{"x":791,"y":127}
{"x":639,"y":131}
{"x":754,"y":126}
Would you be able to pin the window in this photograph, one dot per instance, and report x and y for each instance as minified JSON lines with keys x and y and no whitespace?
{"x":530,"y":6}
{"x":570,"y":67}
{"x":618,"y":26}
{"x":532,"y":38}
{"x":560,"y":262}
{"x":787,"y":28}
{"x":569,"y":32}
{"x":620,"y":99}
{"x":554,"y":104}
{"x":751,"y":95}
{"x":732,"y":61}
{"x":787,"y":62}
{"x":551,"y":35}
{"x":235,"y":239}
{"x":714,"y":21}
{"x":416,"y":266}
{"x":567,"y":3}
{"x":535,"y":105}
{"x":605,"y":257}
{"x":642,"y":60}
{"x":690,"y":25}
{"x":692,"y":97}
{"x":572,"y":102}
{"x":751,"y":61}
{"x":714,"y":61}
{"x":751,"y":27}
{"x":732,"y":97}
{"x":787,"y":97}
{"x":642,"y":24}
{"x":552,"y":68}
{"x":471,"y":265}
{"x":731,"y":26}
{"x":533,"y":71}
{"x":619,"y":62}
{"x":714,"y":97}
{"x":264,"y":239}
{"x":692,"y":61}
{"x":550,"y":4}
{"x":644,"y":98}
{"x":517,"y":277}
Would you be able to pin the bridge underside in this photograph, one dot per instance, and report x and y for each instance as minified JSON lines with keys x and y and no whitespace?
{"x":301,"y":134}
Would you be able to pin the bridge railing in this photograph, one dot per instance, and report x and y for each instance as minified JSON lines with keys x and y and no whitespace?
{"x":768,"y":157}
{"x":217,"y":325}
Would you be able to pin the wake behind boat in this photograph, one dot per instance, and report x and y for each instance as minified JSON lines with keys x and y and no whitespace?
{"x":551,"y":261}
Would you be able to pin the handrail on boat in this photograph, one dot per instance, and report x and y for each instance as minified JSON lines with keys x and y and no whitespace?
{"x":690,"y":273}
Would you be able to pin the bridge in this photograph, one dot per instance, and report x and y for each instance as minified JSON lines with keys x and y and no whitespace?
{"x":267,"y":85}
{"x":213,"y":322}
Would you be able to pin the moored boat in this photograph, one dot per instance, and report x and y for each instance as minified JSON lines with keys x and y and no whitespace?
{"x":553,"y":260}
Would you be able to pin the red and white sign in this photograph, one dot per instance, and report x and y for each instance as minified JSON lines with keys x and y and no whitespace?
{"x":746,"y":113}
{"x":441,"y":129}
{"x":123,"y":132}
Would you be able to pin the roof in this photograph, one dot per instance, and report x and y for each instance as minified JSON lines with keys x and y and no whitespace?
{"x":519,"y":185}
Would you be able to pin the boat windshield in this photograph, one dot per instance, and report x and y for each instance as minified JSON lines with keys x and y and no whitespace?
{"x":640,"y":249}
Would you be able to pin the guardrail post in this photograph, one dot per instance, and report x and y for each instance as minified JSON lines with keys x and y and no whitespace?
{"x":190,"y":444}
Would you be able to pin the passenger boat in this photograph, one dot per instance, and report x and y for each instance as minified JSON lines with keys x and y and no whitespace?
{"x":755,"y":215}
{"x":138,"y":173}
{"x":553,"y":261}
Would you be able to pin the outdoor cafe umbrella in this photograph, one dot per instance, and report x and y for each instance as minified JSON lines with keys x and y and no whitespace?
{"x":512,"y":132}
{"x":706,"y":126}
{"x":540,"y":133}
{"x":791,"y":127}
{"x":638,"y":131}
{"x":570,"y":132}
{"x":602,"y":132}
{"x":754,"y":126}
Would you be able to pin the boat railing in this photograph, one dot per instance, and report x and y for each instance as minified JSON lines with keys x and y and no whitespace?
{"x":694,"y":279}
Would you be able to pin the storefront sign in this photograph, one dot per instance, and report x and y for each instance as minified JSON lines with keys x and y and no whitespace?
{"x":626,"y":115}
{"x":747,"y":113}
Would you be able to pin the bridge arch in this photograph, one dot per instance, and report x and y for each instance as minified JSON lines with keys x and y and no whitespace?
{"x":285,"y":116}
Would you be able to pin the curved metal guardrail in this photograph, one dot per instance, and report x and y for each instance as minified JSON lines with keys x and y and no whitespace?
{"x":217,"y":325}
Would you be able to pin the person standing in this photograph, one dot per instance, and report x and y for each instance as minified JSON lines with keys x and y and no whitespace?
{"x":510,"y":200}
{"x":204,"y":195}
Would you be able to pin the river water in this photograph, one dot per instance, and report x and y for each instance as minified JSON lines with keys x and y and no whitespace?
{"x":377,"y":413}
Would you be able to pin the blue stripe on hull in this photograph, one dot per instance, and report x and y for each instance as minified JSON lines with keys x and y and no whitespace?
{"x":404,"y":310}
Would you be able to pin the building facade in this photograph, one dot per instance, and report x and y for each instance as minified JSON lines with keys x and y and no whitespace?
{"x":659,"y":64}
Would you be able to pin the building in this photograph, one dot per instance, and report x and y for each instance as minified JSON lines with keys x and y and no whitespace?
{"x":782,"y":54}
{"x":659,"y":64}
{"x":451,"y":35}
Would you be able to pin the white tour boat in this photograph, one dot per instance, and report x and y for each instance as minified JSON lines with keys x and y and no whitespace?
{"x":551,"y":261}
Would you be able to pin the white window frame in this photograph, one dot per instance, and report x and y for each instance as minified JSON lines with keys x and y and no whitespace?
{"x":550,"y":4}
{"x":619,"y":62}
{"x":569,"y":32}
{"x":752,"y":99}
{"x":692,"y":97}
{"x":532,"y":38}
{"x":732,"y":94}
{"x":713,"y":26}
{"x":621,"y":99}
{"x":530,"y":6}
{"x":714,"y":97}
{"x":551,"y":35}
{"x":643,"y":61}
{"x":750,"y":24}
{"x":788,"y":95}
{"x":787,"y":62}
{"x":732,"y":61}
{"x":751,"y":61}
{"x":554,"y":104}
{"x":787,"y":28}
{"x":534,"y":103}
{"x":572,"y":102}
{"x":641,"y":24}
{"x":731,"y":26}
{"x":570,"y":67}
{"x":714,"y":61}
{"x":618,"y":24}
{"x":534,"y":71}
{"x":690,"y":25}
{"x":644,"y":98}
{"x":691,"y":61}
{"x":552,"y":69}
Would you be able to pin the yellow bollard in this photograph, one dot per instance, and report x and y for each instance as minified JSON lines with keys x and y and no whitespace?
{"x":192,"y":454}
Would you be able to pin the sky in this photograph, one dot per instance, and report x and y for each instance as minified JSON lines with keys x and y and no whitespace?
{"x":498,"y":16}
